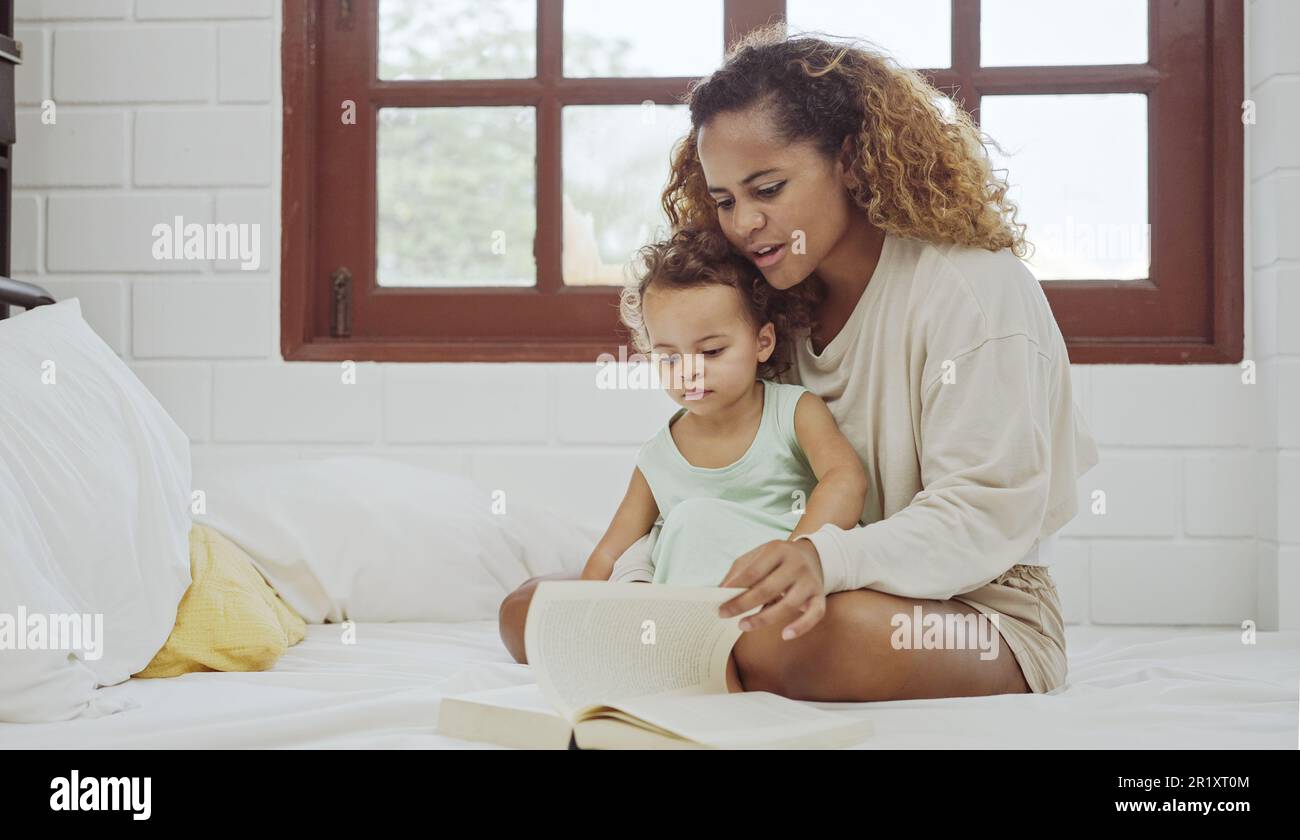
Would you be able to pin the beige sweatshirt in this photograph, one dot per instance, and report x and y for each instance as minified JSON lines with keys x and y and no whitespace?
{"x":952,"y":382}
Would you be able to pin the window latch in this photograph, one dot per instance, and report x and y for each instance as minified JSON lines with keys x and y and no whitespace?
{"x":341,"y":312}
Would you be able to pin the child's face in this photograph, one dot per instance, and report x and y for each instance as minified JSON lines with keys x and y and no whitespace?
{"x":709,"y":353}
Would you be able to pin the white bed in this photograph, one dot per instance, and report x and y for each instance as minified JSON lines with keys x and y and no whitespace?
{"x":1128,"y":688}
{"x":380,"y":542}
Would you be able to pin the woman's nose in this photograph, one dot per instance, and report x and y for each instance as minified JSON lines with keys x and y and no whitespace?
{"x":748,"y":221}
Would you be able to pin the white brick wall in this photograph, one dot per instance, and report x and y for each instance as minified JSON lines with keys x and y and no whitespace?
{"x":277,"y":403}
{"x":145,"y":64}
{"x":465,"y":403}
{"x":1273,"y":153}
{"x":171,"y":107}
{"x":32,"y":83}
{"x":28,"y":233}
{"x":71,"y":9}
{"x":88,"y":150}
{"x":203,"y":147}
{"x":89,"y":232}
{"x":236,"y":320}
{"x":246,"y":63}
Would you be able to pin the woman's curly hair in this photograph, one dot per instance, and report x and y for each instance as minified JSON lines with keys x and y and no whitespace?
{"x":916,"y":171}
{"x":695,"y":257}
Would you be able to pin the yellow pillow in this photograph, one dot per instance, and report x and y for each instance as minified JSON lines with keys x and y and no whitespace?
{"x":230,"y":619}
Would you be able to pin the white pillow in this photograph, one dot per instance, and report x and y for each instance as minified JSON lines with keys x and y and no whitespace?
{"x":547,"y":539}
{"x":374,"y":539}
{"x":94,"y":514}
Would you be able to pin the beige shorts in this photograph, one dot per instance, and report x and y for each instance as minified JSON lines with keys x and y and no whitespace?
{"x":1029,"y":618}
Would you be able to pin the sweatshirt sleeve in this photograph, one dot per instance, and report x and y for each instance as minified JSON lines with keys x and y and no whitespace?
{"x":985,"y":462}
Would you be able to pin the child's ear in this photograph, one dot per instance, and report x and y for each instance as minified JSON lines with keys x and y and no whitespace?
{"x":766,"y":341}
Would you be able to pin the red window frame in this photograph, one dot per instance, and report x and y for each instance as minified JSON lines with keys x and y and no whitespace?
{"x":1189,"y":310}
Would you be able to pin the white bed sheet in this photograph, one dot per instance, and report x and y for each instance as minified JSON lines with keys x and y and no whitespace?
{"x":1128,"y":688}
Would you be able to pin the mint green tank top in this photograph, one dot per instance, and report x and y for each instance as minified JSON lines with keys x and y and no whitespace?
{"x":711,"y":516}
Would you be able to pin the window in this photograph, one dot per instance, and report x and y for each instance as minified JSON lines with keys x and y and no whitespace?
{"x":465,"y":181}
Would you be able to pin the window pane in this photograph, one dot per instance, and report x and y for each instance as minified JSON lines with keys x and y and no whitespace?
{"x":615,"y":169}
{"x":457,"y":39}
{"x":1078,"y":169}
{"x":1032,"y":32}
{"x":664,"y":38}
{"x":455,"y":201}
{"x":917,"y":33}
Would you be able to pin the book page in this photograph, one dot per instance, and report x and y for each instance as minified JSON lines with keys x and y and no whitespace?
{"x":750,"y":720}
{"x":592,"y":642}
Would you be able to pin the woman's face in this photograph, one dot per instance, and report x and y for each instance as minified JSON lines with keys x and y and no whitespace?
{"x":768,"y":193}
{"x":709,"y":351}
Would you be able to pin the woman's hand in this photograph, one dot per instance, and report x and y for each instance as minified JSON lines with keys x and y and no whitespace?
{"x":786,"y":576}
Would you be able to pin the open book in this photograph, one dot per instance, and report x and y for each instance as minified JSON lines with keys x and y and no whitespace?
{"x":634,"y":665}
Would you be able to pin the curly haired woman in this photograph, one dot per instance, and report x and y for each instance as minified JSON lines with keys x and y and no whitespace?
{"x":838,"y":174}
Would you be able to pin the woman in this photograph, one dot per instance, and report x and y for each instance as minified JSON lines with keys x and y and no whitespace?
{"x":842,"y":178}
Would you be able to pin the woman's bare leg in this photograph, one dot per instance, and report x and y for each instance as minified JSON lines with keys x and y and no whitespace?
{"x":733,"y":674}
{"x":513,"y":613}
{"x":849,"y":656}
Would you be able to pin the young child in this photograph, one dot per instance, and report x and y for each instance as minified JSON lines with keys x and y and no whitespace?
{"x":746,"y":459}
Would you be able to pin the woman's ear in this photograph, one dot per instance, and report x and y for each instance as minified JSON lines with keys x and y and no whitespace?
{"x":845,"y":159}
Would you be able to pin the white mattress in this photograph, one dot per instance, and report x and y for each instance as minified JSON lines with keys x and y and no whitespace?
{"x":1131,"y":688}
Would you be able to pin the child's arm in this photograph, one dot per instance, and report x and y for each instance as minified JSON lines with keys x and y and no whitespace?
{"x":633,"y":520}
{"x":841,"y":490}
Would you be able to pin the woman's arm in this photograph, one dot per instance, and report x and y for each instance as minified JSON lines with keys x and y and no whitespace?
{"x":841,"y":490}
{"x":633,"y":520}
{"x":985,"y":469}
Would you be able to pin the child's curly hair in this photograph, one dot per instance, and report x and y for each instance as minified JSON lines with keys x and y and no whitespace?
{"x":694,"y":257}
{"x":916,"y":171}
